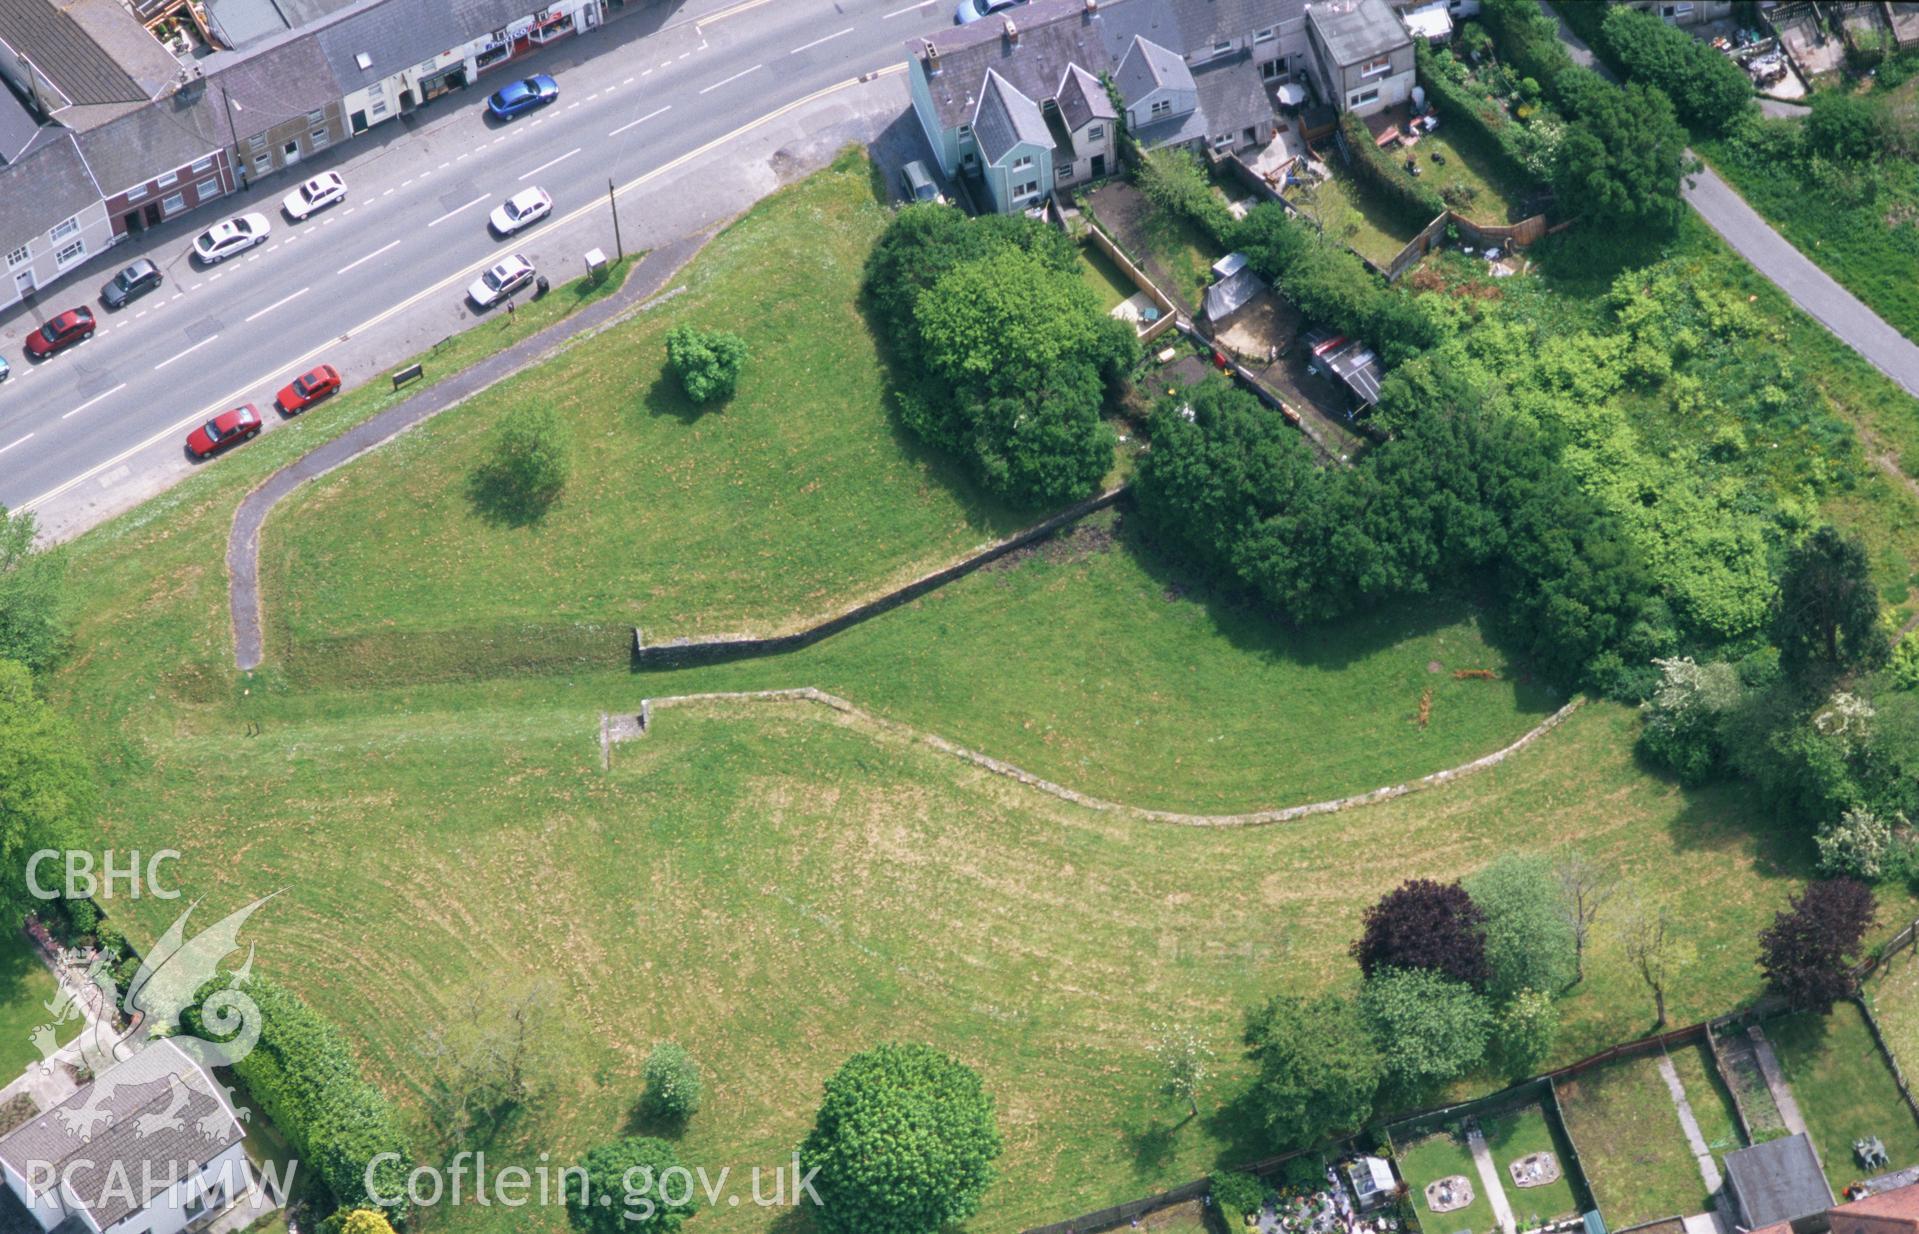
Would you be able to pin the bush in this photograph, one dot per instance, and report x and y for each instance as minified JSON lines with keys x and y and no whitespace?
{"x":1417,"y":204}
{"x":707,"y":362}
{"x":1529,"y":941}
{"x":527,"y":465}
{"x":623,"y":1192}
{"x":1845,"y":127}
{"x":1808,"y":952}
{"x":1707,"y":89}
{"x":672,"y":1083}
{"x":1858,"y":844}
{"x":1429,"y":1029}
{"x":1239,"y":1196}
{"x":1512,"y":143}
{"x":1173,"y":180}
{"x":1683,"y":717}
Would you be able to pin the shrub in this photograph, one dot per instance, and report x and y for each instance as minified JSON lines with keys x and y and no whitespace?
{"x":672,"y":1083}
{"x":1417,"y":204}
{"x":1430,"y":1030}
{"x":1858,"y":844}
{"x":1529,"y":940}
{"x":707,"y":362}
{"x":527,"y":465}
{"x":1427,"y":925}
{"x":1238,"y":1195}
{"x":1845,"y":127}
{"x":1523,"y":1038}
{"x":1807,"y":952}
{"x":1707,"y":89}
{"x":1318,"y":1069}
{"x":1173,"y":180}
{"x":623,"y":1193}
{"x":1683,"y":717}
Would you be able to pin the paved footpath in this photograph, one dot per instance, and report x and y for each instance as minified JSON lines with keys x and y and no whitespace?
{"x":243,"y":542}
{"x":1776,"y":1081}
{"x":1701,"y":1151}
{"x":1489,"y":1179}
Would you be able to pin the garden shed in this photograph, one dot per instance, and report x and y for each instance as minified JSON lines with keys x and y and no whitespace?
{"x":1777,"y":1182}
{"x":1372,"y":1181}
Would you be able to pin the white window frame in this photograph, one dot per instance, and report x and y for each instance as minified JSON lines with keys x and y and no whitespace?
{"x":1062,"y":172}
{"x":318,"y":139}
{"x":377,"y":110}
{"x":1374,"y":67}
{"x":263,"y":162}
{"x":1223,"y":46}
{"x":1022,"y":162}
{"x":1264,"y":36}
{"x":1161,"y":107}
{"x":316,"y":118}
{"x":207,"y":189}
{"x":1095,"y":132}
{"x":202,"y":166}
{"x":71,"y":253}
{"x":135,"y":193}
{"x":167,"y":181}
{"x":1362,"y":97}
{"x":20,"y":257}
{"x":171,"y":206}
{"x":1023,"y":191}
{"x":64,"y":228}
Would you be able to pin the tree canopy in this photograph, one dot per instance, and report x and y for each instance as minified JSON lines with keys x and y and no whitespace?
{"x":1427,"y":926}
{"x":1707,"y":89}
{"x":1529,"y":938}
{"x":1827,"y":621}
{"x":629,"y":1172}
{"x":1808,"y":951}
{"x":1429,"y":1029}
{"x":1318,"y":1068}
{"x":1622,"y":156}
{"x":46,"y":785}
{"x":33,"y":596}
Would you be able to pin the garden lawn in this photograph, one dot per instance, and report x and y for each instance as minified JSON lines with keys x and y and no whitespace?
{"x":1843,"y":1086}
{"x":1623,"y":1123}
{"x":1518,"y":1134}
{"x":1438,"y":1156}
{"x":1488,"y":194}
{"x":1107,"y":280}
{"x":26,"y":987}
{"x":1894,"y":995}
{"x":1349,"y":215}
{"x":790,"y":501}
{"x":1711,"y":1101}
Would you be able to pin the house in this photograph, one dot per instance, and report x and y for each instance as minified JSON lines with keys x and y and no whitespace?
{"x":281,"y":103}
{"x":1362,"y":54}
{"x":52,"y":217}
{"x":149,"y":1146}
{"x":1887,"y":1206}
{"x":1776,"y":1184}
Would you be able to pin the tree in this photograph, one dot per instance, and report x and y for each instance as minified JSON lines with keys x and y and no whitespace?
{"x":1529,"y":942}
{"x":1707,"y":89}
{"x":1856,"y":845}
{"x":624,"y":1193}
{"x":46,"y":786}
{"x":1524,"y":1033}
{"x":1622,"y":156}
{"x":1585,"y":886}
{"x":672,"y":1087}
{"x":1655,"y":950}
{"x":1428,"y":1028}
{"x":357,"y":1221}
{"x":483,"y":1060}
{"x":1318,"y":1068}
{"x":1683,"y":716}
{"x":527,"y":465}
{"x":903,"y":1144}
{"x":1845,"y":127}
{"x":707,"y":362}
{"x":1827,"y":620}
{"x":33,"y":595}
{"x":1807,"y":952}
{"x":1426,"y":925}
{"x":1184,"y":1061}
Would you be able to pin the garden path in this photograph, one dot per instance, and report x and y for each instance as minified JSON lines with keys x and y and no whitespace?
{"x":1489,"y":1179}
{"x":1776,"y":1081}
{"x":1701,"y":1152}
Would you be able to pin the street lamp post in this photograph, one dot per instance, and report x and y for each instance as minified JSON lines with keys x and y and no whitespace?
{"x":239,"y":162}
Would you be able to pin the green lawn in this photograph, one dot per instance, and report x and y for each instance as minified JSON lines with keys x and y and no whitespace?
{"x":1438,"y":1156}
{"x":1709,"y":1098}
{"x":1622,"y":1120}
{"x":1521,"y":1133}
{"x":1107,"y":280}
{"x":1346,"y":213}
{"x":1843,"y":1087}
{"x":1481,"y":188}
{"x":26,"y":987}
{"x":1894,"y":995}
{"x":790,"y":501}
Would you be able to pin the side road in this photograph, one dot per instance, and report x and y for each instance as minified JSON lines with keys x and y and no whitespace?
{"x":243,"y":542}
{"x":1816,"y":293}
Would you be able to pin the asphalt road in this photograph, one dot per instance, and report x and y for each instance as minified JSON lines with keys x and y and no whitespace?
{"x":674,"y":105}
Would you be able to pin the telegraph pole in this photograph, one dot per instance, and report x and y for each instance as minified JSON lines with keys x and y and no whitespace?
{"x":613,"y":202}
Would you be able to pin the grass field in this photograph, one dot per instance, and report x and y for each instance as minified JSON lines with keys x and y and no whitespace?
{"x":1519,"y":1134}
{"x":1634,"y":1151}
{"x":1843,"y":1087}
{"x":1894,"y":995}
{"x":26,"y":987}
{"x":1108,"y":282}
{"x":1442,"y":1155}
{"x":1485,"y":192}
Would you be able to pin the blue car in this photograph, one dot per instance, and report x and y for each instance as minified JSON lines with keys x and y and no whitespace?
{"x":524,"y":95}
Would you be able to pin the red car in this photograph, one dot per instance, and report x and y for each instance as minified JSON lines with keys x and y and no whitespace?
{"x":62,"y":332}
{"x":225,"y":430}
{"x":308,"y":389}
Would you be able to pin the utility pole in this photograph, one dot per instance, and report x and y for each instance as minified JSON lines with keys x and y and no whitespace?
{"x":613,"y":202}
{"x":239,"y":160}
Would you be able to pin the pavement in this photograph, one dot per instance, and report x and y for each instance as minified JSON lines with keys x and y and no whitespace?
{"x":1695,"y":1139}
{"x":1776,"y":1081}
{"x":243,"y":543}
{"x":1490,"y":1180}
{"x":691,"y":112}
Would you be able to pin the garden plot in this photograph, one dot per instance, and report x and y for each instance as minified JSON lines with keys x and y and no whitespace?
{"x":1534,"y":1165}
{"x":1447,"y":1193}
{"x":1844,"y":1088}
{"x":1631,"y":1145}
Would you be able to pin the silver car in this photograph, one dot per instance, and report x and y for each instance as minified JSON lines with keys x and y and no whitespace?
{"x":970,"y":11}
{"x":501,"y":280}
{"x":523,"y":209}
{"x":236,"y":235}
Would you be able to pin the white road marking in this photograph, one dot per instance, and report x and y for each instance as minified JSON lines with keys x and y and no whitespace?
{"x":328,"y":222}
{"x":388,"y":193}
{"x":10,"y":445}
{"x":348,"y":210}
{"x":627,"y":82}
{"x":214,"y":278}
{"x":589,"y":98}
{"x":367,"y":258}
{"x":735,"y":77}
{"x":96,"y":398}
{"x":405,"y":183}
{"x":550,"y":162}
{"x":642,"y":120}
{"x":450,"y":213}
{"x":142,"y":313}
{"x":182,"y":354}
{"x":571,"y":106}
{"x":816,"y":42}
{"x":406,"y":305}
{"x":445,"y":165}
{"x":645,"y":72}
{"x":911,"y":8}
{"x":277,"y":303}
{"x":177,"y":295}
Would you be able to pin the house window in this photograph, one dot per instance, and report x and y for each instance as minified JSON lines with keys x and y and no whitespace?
{"x":1223,"y":46}
{"x":207,"y":190}
{"x":262,"y":164}
{"x":64,"y":228}
{"x":1096,"y":132}
{"x":1063,"y":172}
{"x":173,"y":205}
{"x":316,"y":118}
{"x":318,"y":138}
{"x":965,"y":131}
{"x":136,"y":193}
{"x":19,"y":256}
{"x":167,"y":181}
{"x":1163,"y":107}
{"x":376,"y":90}
{"x":70,"y":254}
{"x":1363,"y":97}
{"x":1263,"y":36}
{"x":1373,"y":68}
{"x":1029,"y":189}
{"x":379,"y":109}
{"x":1022,"y":162}
{"x":204,"y":165}
{"x":258,"y":141}
{"x":1273,"y":71}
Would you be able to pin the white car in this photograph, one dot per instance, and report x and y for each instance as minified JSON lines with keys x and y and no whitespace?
{"x":501,"y":280}
{"x":523,"y":209}
{"x":326,"y":189}
{"x":223,"y":240}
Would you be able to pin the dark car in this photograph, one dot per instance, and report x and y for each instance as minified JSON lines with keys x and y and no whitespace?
{"x":307,"y":389}
{"x":518,"y":97}
{"x":130,"y":284}
{"x":224,"y":431}
{"x":70,"y":327}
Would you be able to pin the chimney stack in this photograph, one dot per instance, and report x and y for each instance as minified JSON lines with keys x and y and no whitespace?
{"x":1092,"y":7}
{"x":931,"y":55}
{"x":1012,"y":32}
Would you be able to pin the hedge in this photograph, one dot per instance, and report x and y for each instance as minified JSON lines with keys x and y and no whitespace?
{"x":1588,"y":21}
{"x":1707,"y":89}
{"x":1529,"y":40}
{"x":1506,"y":138}
{"x":1418,"y":204}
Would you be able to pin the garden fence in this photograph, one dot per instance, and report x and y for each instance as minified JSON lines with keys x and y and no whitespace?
{"x":1886,"y":951}
{"x":1164,"y":303}
{"x":1719,"y":1065}
{"x":1121,"y":1214}
{"x":1885,"y":1051}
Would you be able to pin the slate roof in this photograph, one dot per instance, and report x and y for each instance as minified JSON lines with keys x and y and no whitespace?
{"x":1082,"y":99}
{"x":154,"y":140}
{"x":1147,"y":67}
{"x":18,"y":126}
{"x":1202,"y":23}
{"x":1052,"y":35}
{"x":93,"y":51}
{"x":1354,"y":31}
{"x":396,"y":34}
{"x":159,"y":1119}
{"x":274,"y":83}
{"x":1777,"y":1181}
{"x":1232,"y":95}
{"x":1007,"y":119}
{"x":45,"y":187}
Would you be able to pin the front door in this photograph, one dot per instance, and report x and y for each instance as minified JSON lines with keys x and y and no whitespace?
{"x":23,"y":283}
{"x":1099,"y":166}
{"x":291,"y":153}
{"x":130,"y":222}
{"x":153,"y":214}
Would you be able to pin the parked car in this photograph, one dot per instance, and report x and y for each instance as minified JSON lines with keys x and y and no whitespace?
{"x":918,"y":184}
{"x":501,"y":281}
{"x":325,"y":189}
{"x":970,"y":11}
{"x":518,"y":97}
{"x":236,"y":235}
{"x":61,"y":332}
{"x":5,"y":372}
{"x":523,"y":209}
{"x":130,"y":284}
{"x":307,"y":389}
{"x":224,"y":431}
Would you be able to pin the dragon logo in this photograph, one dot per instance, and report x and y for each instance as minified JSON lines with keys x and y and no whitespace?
{"x":162,"y":990}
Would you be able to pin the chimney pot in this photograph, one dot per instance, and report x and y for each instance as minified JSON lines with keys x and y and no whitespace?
{"x":1012,"y":31}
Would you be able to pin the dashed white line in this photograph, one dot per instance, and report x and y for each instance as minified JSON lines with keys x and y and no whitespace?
{"x":180,"y":355}
{"x":10,"y":445}
{"x":445,"y":165}
{"x":277,"y":303}
{"x":464,"y":157}
{"x":816,"y":42}
{"x":348,"y":210}
{"x":645,"y":72}
{"x":642,"y":120}
{"x":629,"y":81}
{"x":589,"y":98}
{"x":90,"y":402}
{"x":388,"y":193}
{"x":142,"y":313}
{"x":735,"y":77}
{"x":214,"y":278}
{"x":177,"y":295}
{"x":328,"y":222}
{"x":911,"y":8}
{"x":405,"y":183}
{"x":367,"y":258}
{"x":551,"y":162}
